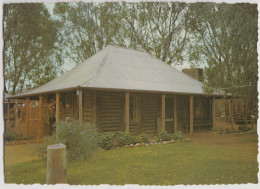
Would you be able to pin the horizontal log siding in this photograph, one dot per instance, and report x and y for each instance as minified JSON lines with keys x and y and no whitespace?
{"x":183,"y":112}
{"x":110,"y":108}
{"x":150,"y":108}
{"x":169,"y":111}
{"x":133,"y":128}
{"x":88,"y":106}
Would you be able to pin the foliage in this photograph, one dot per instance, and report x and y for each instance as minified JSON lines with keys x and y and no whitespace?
{"x":40,"y":150}
{"x":106,"y":140}
{"x":225,"y":39}
{"x":123,"y":138}
{"x":243,"y":128}
{"x":177,"y":135}
{"x":227,"y":131}
{"x":165,"y":136}
{"x":219,"y":161}
{"x":142,"y":138}
{"x":118,"y":139}
{"x":155,"y":27}
{"x":11,"y":135}
{"x":85,"y":28}
{"x":80,"y":140}
{"x":29,"y":36}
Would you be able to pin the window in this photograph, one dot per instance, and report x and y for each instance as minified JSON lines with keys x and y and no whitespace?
{"x":134,"y":108}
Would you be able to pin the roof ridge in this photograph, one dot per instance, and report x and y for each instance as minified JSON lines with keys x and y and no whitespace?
{"x":130,"y":48}
{"x":100,"y":67}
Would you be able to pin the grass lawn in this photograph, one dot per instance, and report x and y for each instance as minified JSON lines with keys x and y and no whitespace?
{"x":208,"y":159}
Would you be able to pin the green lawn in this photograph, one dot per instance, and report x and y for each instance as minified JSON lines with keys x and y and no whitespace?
{"x":208,"y":159}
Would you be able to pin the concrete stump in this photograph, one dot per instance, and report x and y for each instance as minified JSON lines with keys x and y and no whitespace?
{"x":56,"y":164}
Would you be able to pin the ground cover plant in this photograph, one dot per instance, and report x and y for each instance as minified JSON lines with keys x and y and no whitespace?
{"x":208,"y":159}
{"x":80,"y":139}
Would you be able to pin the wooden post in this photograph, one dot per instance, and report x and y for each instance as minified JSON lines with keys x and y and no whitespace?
{"x":175,"y":114}
{"x":16,"y":112}
{"x":27,"y":114}
{"x":95,"y":110}
{"x":230,"y":108}
{"x":127,"y":112}
{"x":213,"y":113}
{"x":40,"y":117}
{"x":232,"y":112}
{"x":56,"y":164}
{"x":163,"y":112}
{"x":57,"y":108}
{"x":8,"y":112}
{"x":79,"y":93}
{"x":191,"y":115}
{"x":245,"y":111}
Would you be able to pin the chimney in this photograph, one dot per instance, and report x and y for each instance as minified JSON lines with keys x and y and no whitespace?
{"x":196,"y":73}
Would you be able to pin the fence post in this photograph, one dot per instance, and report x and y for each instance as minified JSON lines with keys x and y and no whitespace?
{"x":56,"y":164}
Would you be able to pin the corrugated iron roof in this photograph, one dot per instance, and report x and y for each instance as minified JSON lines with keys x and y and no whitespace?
{"x":120,"y":68}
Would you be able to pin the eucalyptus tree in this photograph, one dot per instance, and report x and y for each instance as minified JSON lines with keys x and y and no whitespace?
{"x":84,"y":28}
{"x":226,"y":41}
{"x":29,"y":36}
{"x":161,"y":29}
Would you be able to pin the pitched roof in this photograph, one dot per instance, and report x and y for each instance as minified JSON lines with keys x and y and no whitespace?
{"x":120,"y":68}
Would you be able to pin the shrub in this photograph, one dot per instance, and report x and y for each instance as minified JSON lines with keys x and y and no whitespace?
{"x":40,"y":150}
{"x":177,"y":135}
{"x":227,"y":131}
{"x":106,"y":140}
{"x":11,"y":135}
{"x":80,"y":140}
{"x":143,"y":138}
{"x":243,"y":128}
{"x":221,"y":130}
{"x":123,"y":138}
{"x":165,"y":136}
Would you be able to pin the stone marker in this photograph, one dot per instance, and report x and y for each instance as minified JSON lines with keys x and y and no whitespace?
{"x":56,"y":164}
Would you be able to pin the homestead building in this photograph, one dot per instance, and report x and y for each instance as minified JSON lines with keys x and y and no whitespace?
{"x":119,"y":89}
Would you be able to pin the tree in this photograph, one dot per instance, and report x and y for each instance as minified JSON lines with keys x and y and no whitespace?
{"x":161,"y":29}
{"x":29,"y":36}
{"x":226,"y":40}
{"x":84,"y":28}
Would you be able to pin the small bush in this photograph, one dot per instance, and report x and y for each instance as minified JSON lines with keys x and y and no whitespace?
{"x":243,"y":128}
{"x":11,"y":135}
{"x":221,"y":130}
{"x":165,"y":136}
{"x":106,"y":141}
{"x":144,"y":138}
{"x":123,"y":138}
{"x":227,"y":131}
{"x":177,"y":135}
{"x":80,"y":140}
